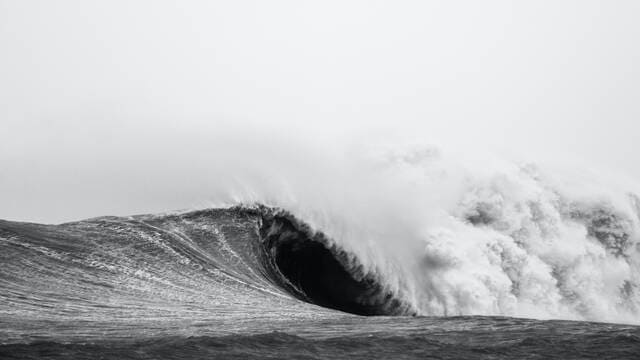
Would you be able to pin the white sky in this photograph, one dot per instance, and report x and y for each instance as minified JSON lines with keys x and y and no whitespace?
{"x":119,"y":107}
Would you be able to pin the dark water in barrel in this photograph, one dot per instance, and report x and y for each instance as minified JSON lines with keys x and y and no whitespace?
{"x":235,"y":284}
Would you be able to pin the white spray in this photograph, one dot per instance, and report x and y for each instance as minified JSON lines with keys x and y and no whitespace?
{"x":465,"y":234}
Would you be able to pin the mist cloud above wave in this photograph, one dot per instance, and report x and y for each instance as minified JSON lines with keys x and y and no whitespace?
{"x":123,"y":108}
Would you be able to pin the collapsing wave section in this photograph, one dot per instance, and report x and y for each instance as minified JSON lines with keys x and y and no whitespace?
{"x":461,"y":234}
{"x":220,"y":266}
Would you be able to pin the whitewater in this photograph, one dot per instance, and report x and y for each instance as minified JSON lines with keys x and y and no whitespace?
{"x":461,"y":234}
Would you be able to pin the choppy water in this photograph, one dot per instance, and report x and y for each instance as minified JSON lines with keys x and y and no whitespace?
{"x":239,"y":283}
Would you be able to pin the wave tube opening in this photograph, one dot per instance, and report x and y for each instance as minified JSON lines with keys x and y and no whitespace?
{"x":303,"y":263}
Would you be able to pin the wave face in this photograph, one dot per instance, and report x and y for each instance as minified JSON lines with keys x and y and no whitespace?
{"x":239,"y":265}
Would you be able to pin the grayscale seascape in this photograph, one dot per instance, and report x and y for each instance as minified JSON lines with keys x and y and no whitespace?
{"x":334,"y":179}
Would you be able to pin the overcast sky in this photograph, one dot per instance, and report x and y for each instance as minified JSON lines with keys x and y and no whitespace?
{"x":120,"y":107}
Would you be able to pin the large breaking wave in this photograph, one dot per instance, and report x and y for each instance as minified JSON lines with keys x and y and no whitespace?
{"x":411,"y":232}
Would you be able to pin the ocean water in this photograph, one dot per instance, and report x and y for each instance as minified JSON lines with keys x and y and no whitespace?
{"x":244,"y":282}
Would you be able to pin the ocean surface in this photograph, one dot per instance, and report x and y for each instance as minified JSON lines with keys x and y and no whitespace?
{"x":238,"y":283}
